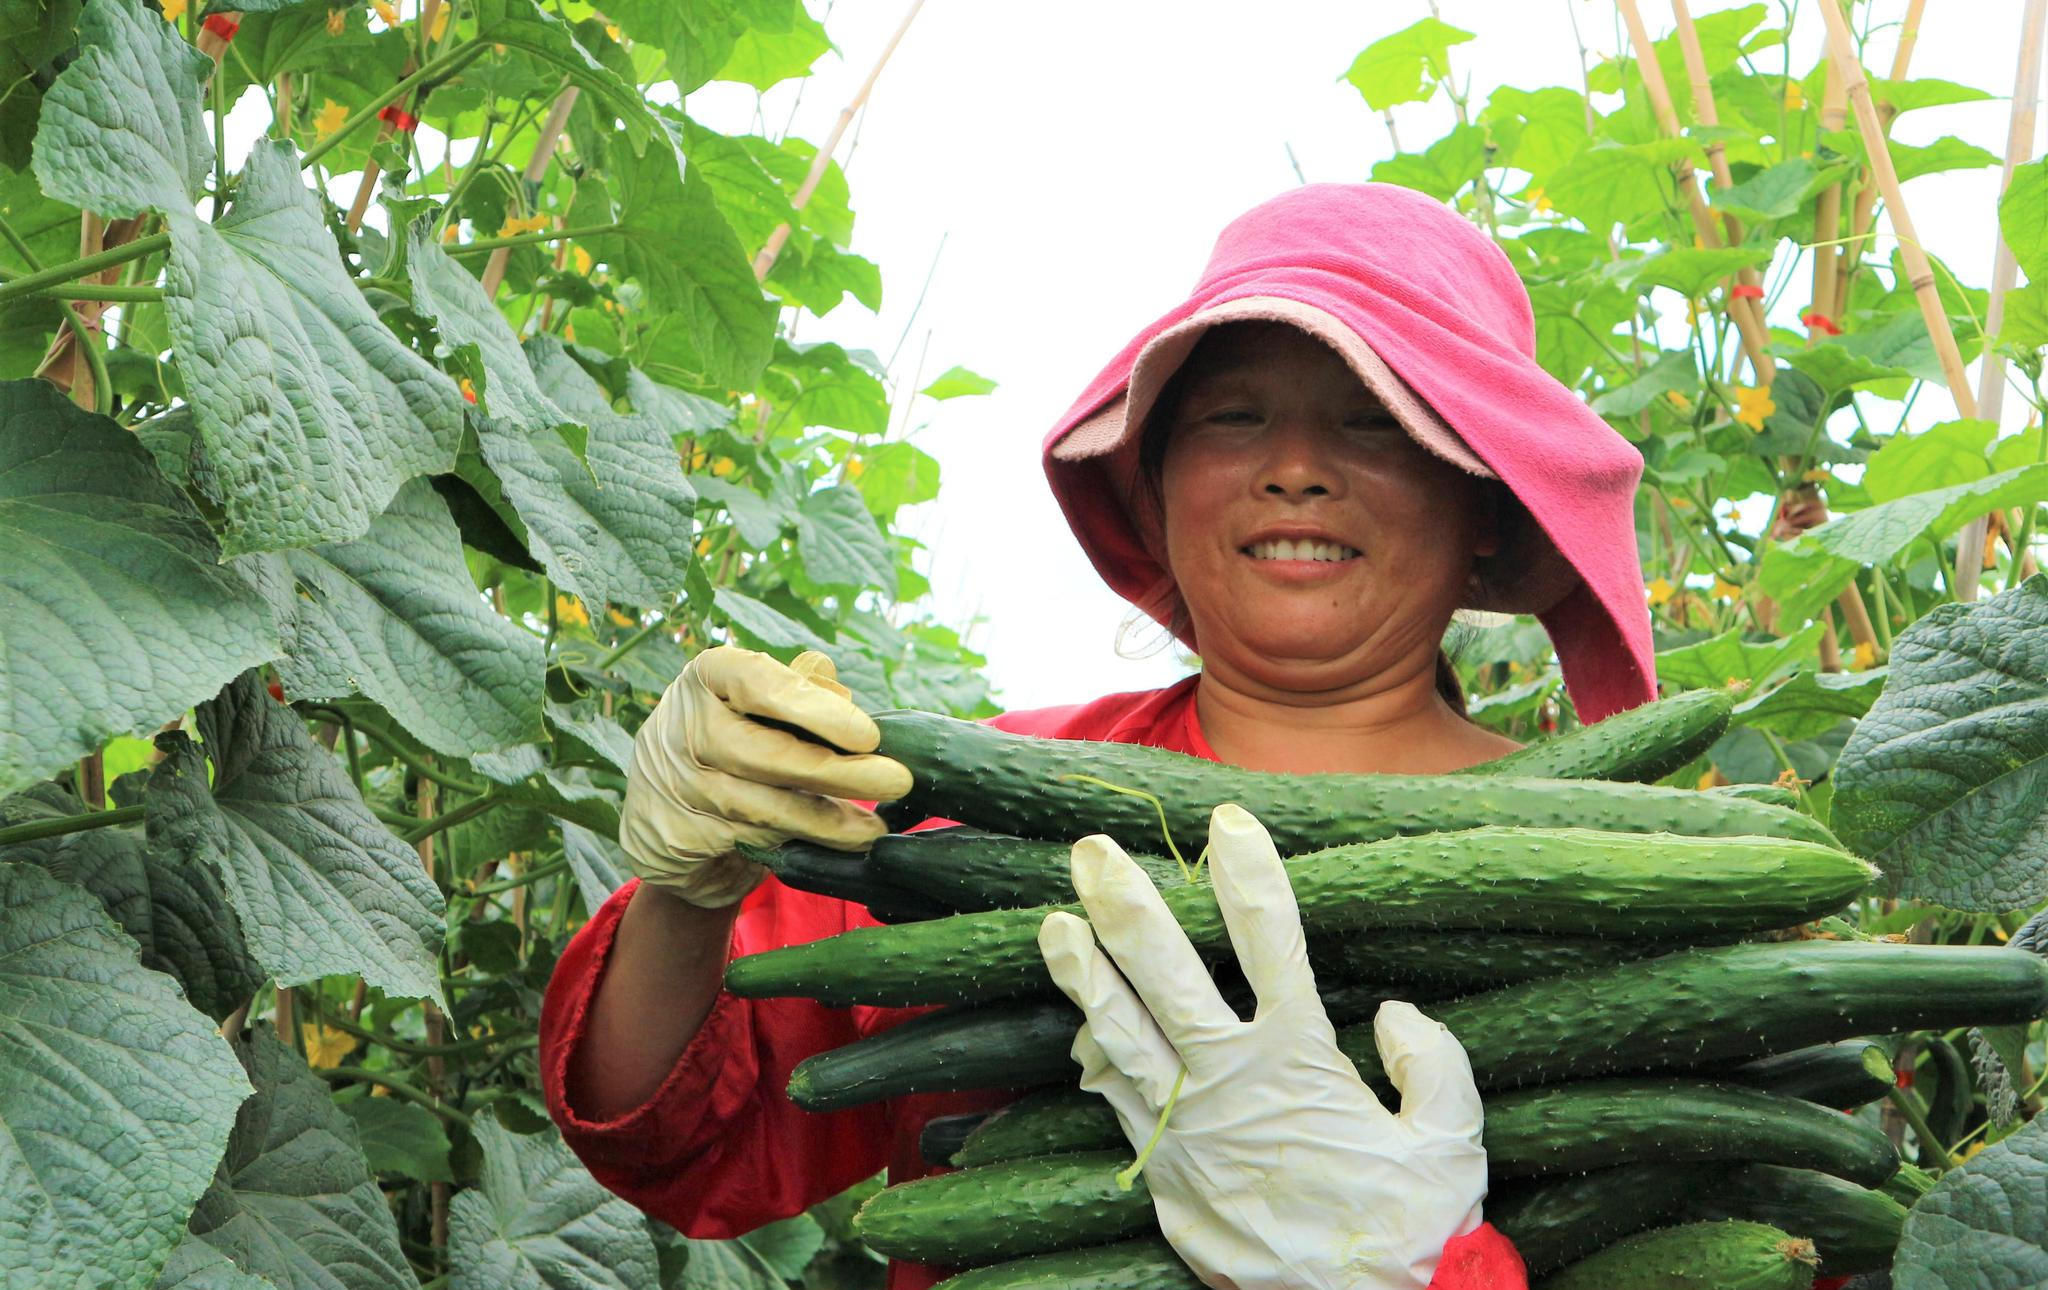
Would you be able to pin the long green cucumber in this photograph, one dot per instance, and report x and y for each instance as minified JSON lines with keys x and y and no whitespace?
{"x":943,"y":1135}
{"x":1569,"y":881}
{"x":1642,"y":745}
{"x":1553,"y":1222}
{"x":1841,"y":1076}
{"x":970,"y":1216}
{"x":1147,"y":1263}
{"x":1695,"y":1256}
{"x":848,"y":876}
{"x":1854,"y":1229}
{"x":968,"y":870}
{"x":1693,"y":1009}
{"x":991,"y":779}
{"x":1771,"y":793}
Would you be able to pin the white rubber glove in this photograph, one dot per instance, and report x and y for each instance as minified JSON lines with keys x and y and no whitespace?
{"x":1278,"y":1166}
{"x":706,"y":776}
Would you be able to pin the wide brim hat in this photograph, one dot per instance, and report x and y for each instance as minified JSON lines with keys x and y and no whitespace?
{"x":1431,"y":317}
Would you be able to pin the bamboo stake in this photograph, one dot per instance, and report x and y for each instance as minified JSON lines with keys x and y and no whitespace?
{"x":368,"y":185}
{"x":2019,"y":145}
{"x":765,"y":260}
{"x":1919,"y":273}
{"x":1710,"y":117}
{"x":536,"y":170}
{"x":1865,"y":212}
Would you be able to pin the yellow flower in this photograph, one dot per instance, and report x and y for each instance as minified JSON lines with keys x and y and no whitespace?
{"x":440,"y":22}
{"x":325,"y":1047}
{"x":1818,"y":476}
{"x":337,"y":21}
{"x":722,"y":467}
{"x":1752,"y":405}
{"x":468,"y":390}
{"x":1788,"y":778}
{"x":569,"y":612}
{"x":619,"y":619}
{"x":1678,"y":400}
{"x":1712,"y":779}
{"x":581,"y":259}
{"x":1725,"y":590}
{"x":386,"y":12}
{"x":698,"y":458}
{"x":514,"y":226}
{"x":1681,"y":504}
{"x":174,"y":10}
{"x":855,"y":468}
{"x":612,"y":29}
{"x":1537,"y":199}
{"x":1795,"y":96}
{"x":704,"y":546}
{"x":1659,"y":591}
{"x":329,"y":118}
{"x":569,"y":332}
{"x":1864,"y":656}
{"x":450,"y":233}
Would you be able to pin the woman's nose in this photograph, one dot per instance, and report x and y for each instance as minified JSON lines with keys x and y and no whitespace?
{"x":1297,"y":461}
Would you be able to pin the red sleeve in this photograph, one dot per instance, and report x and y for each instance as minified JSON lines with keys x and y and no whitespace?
{"x":1481,"y":1259}
{"x":719,"y":1149}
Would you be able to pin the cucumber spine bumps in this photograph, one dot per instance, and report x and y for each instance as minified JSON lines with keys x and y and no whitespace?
{"x":1573,"y":881}
{"x":991,"y":779}
{"x":1641,"y":745}
{"x":1696,"y":1256}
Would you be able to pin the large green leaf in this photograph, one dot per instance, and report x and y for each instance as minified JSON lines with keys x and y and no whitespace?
{"x":195,"y":1265}
{"x":1776,"y":191}
{"x":759,"y":520}
{"x":311,"y":410}
{"x":177,"y":913}
{"x":1807,"y":573}
{"x":116,"y":1098}
{"x":1405,"y":67}
{"x":766,"y":624}
{"x":840,"y":542}
{"x":1729,"y":659}
{"x":524,"y":776}
{"x":114,"y":613}
{"x":121,"y":129}
{"x":1809,"y":703}
{"x":1944,"y":785}
{"x":320,"y":886}
{"x":675,"y":244}
{"x":600,"y":866}
{"x":538,"y":1219}
{"x":1610,"y":183}
{"x":525,"y":26}
{"x":2023,"y":218}
{"x":404,"y":1138}
{"x":293,"y":1201}
{"x":1984,"y":1226}
{"x":764,"y":59}
{"x":394,"y":616}
{"x":1441,"y":169}
{"x":700,"y":36}
{"x":1692,"y":270}
{"x":1943,"y":455}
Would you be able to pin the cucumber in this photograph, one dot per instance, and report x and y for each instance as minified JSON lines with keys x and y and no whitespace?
{"x":1573,"y":881}
{"x":1148,"y":1263}
{"x":1556,"y":1221}
{"x":1006,"y":1211}
{"x":1854,"y":1229}
{"x":1643,"y":744}
{"x":1695,"y":1256}
{"x":1949,"y":1096}
{"x":1568,"y":1128}
{"x":1771,"y":793}
{"x":943,"y":1135}
{"x":968,"y":870}
{"x":846,"y":876}
{"x":991,"y":779}
{"x":1841,"y":1076}
{"x":1909,"y":1184}
{"x":1688,"y":1010}
{"x":972,"y":1216}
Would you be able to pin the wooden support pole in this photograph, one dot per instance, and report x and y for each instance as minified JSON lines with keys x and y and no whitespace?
{"x":429,"y":10}
{"x":536,"y":170}
{"x":1865,"y":210}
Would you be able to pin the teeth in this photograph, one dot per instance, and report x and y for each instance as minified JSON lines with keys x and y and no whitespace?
{"x":1301,"y":550}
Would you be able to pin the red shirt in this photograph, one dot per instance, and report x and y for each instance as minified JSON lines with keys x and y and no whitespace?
{"x":720,"y":1150}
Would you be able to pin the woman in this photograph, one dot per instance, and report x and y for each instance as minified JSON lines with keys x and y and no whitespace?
{"x":1303,"y":471}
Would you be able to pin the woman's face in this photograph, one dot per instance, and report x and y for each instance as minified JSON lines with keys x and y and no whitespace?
{"x":1313,"y":541}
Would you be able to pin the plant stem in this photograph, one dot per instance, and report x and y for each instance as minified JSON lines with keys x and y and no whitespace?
{"x":35,"y":830}
{"x":30,"y":283}
{"x":441,"y":68}
{"x":627,"y":646}
{"x":398,"y":1087}
{"x":467,"y":811}
{"x":412,"y":1049}
{"x":102,"y":291}
{"x":398,"y":750}
{"x":524,"y":239}
{"x":1909,"y":1107}
{"x":528,"y":878}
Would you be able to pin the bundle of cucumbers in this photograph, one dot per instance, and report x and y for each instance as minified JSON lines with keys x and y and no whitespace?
{"x":1663,"y":1009}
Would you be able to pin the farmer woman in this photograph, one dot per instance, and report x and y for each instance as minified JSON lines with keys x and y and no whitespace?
{"x":1303,"y":470}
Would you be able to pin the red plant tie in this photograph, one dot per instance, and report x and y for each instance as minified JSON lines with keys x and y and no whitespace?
{"x":221,"y":25}
{"x":1745,"y":291}
{"x":400,"y":119}
{"x":1815,"y":320}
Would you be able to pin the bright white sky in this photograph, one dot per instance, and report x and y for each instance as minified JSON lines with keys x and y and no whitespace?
{"x":1080,"y":161}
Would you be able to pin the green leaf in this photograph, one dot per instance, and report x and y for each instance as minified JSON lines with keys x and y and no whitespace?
{"x":311,"y":411}
{"x":1676,"y":370}
{"x":1805,"y":574}
{"x":115,"y":613}
{"x":2023,"y":449}
{"x":1713,"y":663}
{"x":759,"y":520}
{"x":293,"y":1200}
{"x":2025,"y":324}
{"x":1441,"y":169}
{"x":320,"y":887}
{"x":764,"y":59}
{"x":1945,"y":153}
{"x":1952,"y":452}
{"x":820,"y":276}
{"x":527,"y":27}
{"x":603,"y":739}
{"x":599,"y":864}
{"x":825,"y":385}
{"x":840,"y":543}
{"x":958,"y":382}
{"x":122,"y":129}
{"x":396,"y":617}
{"x":2023,"y":220}
{"x":176,"y":913}
{"x":400,"y":1138}
{"x":116,"y":1098}
{"x":1944,"y":785}
{"x":1405,"y":67}
{"x":829,"y":212}
{"x":1833,"y":366}
{"x":1776,"y":192}
{"x":788,"y":1246}
{"x":525,"y":777}
{"x":1809,"y":703}
{"x":770,"y":626}
{"x":1611,"y":183}
{"x":1927,"y":91}
{"x":1549,"y":127}
{"x":677,"y":246}
{"x":1692,"y":271}
{"x":896,"y":474}
{"x":537,"y":1218}
{"x":698,"y":37}
{"x":1981,"y":1227}
{"x":195,"y":1265}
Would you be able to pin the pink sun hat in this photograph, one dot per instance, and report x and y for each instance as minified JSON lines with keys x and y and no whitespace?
{"x":1432,"y":318}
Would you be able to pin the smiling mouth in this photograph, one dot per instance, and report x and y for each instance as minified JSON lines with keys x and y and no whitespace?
{"x":1327,"y":552}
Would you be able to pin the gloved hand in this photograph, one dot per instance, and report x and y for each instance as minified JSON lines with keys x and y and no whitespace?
{"x":1278,"y":1167}
{"x":706,"y":776}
